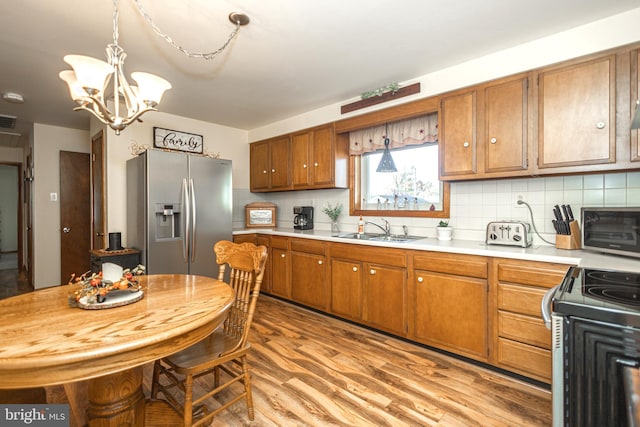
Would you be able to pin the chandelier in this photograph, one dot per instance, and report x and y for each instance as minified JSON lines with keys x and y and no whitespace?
{"x":89,"y":80}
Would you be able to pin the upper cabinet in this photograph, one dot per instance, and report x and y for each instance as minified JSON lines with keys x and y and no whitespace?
{"x":309,"y":159}
{"x":577,"y":114}
{"x":484,"y":131}
{"x":505,"y":127}
{"x":270,"y":164}
{"x":458,"y":135}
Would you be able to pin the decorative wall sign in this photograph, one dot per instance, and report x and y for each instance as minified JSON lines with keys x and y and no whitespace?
{"x":175,"y":140}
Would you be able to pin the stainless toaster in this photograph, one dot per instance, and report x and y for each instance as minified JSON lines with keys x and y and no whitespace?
{"x":510,"y":233}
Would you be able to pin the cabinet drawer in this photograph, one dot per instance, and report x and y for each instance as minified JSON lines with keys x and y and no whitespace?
{"x":279,"y":242}
{"x":461,"y":265}
{"x":524,"y":329}
{"x":308,"y":246}
{"x":526,"y":359}
{"x":547,"y":275}
{"x":374,"y":255}
{"x":520,"y":299}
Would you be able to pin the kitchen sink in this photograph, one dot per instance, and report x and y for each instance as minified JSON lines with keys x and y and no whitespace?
{"x":396,"y":238}
{"x":363,"y":236}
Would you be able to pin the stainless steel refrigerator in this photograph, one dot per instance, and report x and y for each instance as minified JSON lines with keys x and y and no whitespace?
{"x":178,"y":206}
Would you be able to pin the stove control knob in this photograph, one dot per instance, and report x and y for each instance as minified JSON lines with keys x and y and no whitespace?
{"x":517,"y":237}
{"x":493,"y":236}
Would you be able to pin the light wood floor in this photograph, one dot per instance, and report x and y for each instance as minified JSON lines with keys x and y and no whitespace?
{"x":313,"y":370}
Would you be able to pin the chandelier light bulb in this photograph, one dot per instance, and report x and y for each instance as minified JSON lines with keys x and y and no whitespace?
{"x":91,"y":73}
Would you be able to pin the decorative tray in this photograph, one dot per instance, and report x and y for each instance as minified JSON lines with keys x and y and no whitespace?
{"x":114,"y":299}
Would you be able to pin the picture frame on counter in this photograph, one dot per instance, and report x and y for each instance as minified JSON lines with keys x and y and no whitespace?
{"x":260,"y":214}
{"x":168,"y":139}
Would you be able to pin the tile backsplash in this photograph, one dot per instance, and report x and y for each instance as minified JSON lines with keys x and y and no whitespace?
{"x":473,"y":203}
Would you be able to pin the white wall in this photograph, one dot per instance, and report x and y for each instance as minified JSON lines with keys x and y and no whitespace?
{"x":48,"y":141}
{"x":229,"y":142}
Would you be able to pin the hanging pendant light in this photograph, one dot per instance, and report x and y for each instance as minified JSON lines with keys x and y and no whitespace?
{"x":386,"y":162}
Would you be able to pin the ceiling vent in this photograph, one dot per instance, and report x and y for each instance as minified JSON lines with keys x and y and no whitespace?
{"x":7,"y":122}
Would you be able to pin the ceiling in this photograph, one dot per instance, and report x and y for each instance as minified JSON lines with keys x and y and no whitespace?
{"x":293,"y":57}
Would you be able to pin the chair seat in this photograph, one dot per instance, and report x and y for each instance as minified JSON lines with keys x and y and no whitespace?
{"x":205,"y":352}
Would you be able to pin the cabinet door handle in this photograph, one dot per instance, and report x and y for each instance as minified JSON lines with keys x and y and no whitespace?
{"x":372,"y":271}
{"x":465,"y":144}
{"x":304,"y":166}
{"x":600,"y":125}
{"x":282,"y":255}
{"x":315,"y":164}
{"x":264,"y":171}
{"x":420,"y":279}
{"x":273,"y":171}
{"x":319,"y":262}
{"x":493,"y":140}
{"x":355,"y":268}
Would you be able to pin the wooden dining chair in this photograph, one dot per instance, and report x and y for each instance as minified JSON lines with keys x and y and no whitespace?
{"x":223,"y":352}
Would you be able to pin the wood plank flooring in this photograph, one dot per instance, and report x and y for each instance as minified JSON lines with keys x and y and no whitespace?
{"x":313,"y":370}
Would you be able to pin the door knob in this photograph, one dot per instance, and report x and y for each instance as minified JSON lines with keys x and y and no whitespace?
{"x":66,"y":229}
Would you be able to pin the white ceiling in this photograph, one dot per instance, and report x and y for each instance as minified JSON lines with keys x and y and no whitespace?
{"x":293,"y":57}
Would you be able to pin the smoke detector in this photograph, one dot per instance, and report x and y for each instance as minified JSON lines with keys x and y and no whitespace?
{"x":13,"y":97}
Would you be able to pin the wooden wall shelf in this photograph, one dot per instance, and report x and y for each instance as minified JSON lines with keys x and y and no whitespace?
{"x":374,"y":100}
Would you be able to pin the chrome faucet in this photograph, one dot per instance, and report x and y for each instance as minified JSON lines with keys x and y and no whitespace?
{"x":386,"y":228}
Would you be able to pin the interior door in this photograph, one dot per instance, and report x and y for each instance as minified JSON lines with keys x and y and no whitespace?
{"x":99,"y":217}
{"x":75,"y":214}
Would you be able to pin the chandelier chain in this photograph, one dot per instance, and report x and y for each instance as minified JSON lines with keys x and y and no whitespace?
{"x":159,"y":32}
{"x":115,"y":22}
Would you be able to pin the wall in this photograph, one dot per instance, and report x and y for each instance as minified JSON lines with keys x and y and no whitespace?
{"x":474,"y":204}
{"x":48,"y":141}
{"x":229,"y":142}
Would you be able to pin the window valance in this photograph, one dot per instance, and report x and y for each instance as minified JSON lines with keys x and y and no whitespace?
{"x":415,"y":131}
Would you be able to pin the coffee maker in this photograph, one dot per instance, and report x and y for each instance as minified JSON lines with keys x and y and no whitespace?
{"x":303,"y":217}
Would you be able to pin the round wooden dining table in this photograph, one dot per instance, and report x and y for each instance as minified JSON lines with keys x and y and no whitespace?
{"x":47,"y":342}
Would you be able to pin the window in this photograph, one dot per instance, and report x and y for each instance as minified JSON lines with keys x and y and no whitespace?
{"x":414,"y":190}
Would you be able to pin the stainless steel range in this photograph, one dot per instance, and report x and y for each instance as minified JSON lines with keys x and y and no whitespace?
{"x":595,"y":317}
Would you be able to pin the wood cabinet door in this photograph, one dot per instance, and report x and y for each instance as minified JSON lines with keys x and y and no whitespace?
{"x":266,"y":279}
{"x":280,"y":177}
{"x":308,"y":279}
{"x":458,"y":134}
{"x":346,"y":288}
{"x":451,"y":313}
{"x":576,"y":114}
{"x":385,"y":289}
{"x":505,"y":139}
{"x":280,"y":268}
{"x":259,"y":165}
{"x":300,"y":164}
{"x":323,"y":156}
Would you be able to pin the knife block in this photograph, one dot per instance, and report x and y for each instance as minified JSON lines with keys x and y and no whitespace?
{"x":571,"y":241}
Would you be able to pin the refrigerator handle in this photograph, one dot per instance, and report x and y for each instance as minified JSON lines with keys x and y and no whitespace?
{"x":185,"y":238}
{"x":193,"y":216}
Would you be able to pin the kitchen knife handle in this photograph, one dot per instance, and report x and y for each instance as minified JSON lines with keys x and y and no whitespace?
{"x":570,"y":212}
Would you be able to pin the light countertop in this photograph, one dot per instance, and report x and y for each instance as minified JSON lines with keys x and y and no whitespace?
{"x":543,"y":252}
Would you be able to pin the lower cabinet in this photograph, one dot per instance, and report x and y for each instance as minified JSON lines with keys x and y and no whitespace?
{"x":368,"y":291}
{"x":450,"y":303}
{"x":309,"y":273}
{"x":346,"y":288}
{"x":280,"y":267}
{"x":521,"y":341}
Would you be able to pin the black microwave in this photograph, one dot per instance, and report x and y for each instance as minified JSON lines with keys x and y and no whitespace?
{"x":611,"y":230}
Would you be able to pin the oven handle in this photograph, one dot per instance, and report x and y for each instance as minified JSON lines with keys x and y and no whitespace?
{"x":545,"y":306}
